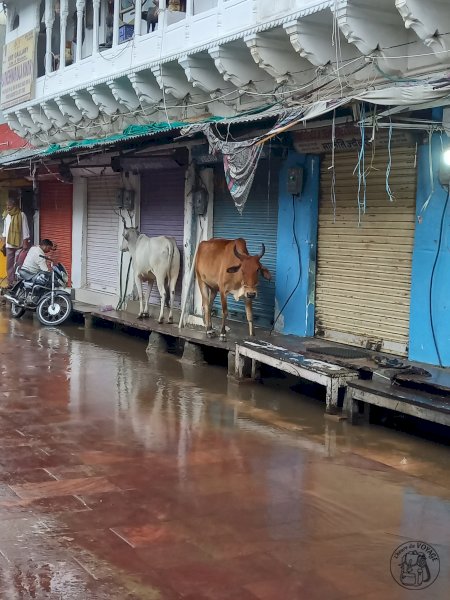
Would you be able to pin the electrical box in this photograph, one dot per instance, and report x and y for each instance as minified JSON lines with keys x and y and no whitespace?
{"x":200,"y":201}
{"x":115,"y":164}
{"x":125,"y":199}
{"x":295,"y":181}
{"x":128,"y":200}
{"x":119,"y":198}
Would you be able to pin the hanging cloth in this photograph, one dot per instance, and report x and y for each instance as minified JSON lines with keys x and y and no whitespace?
{"x":14,"y":236}
{"x":240,"y":161}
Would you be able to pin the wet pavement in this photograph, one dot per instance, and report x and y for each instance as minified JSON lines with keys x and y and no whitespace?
{"x":129,"y":478}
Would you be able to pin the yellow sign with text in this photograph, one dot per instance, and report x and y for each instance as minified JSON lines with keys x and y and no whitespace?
{"x":18,"y":70}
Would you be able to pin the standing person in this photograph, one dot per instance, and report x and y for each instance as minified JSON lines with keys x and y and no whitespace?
{"x":16,"y":234}
{"x":152,"y":16}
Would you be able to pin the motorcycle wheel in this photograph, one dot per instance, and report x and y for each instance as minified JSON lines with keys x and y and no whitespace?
{"x":16,"y":310}
{"x":54,"y":314}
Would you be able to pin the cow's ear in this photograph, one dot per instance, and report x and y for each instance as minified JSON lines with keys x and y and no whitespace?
{"x":233,"y":269}
{"x":266,"y":273}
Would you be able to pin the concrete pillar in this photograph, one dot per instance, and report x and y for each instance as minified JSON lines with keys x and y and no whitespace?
{"x":138,"y":18}
{"x":63,"y":15}
{"x":231,"y":364}
{"x":429,"y":341}
{"x":193,"y":354}
{"x":299,"y":312}
{"x":116,"y":22}
{"x":49,"y":20}
{"x":256,"y":370}
{"x":96,"y":25}
{"x":156,"y":343}
{"x":350,"y":408}
{"x":80,"y":13}
{"x":243,"y":367}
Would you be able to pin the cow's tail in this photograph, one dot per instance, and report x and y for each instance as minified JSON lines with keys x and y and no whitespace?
{"x":169,"y":272}
{"x":188,"y":288}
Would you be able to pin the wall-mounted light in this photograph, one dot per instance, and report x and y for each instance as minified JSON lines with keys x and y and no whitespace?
{"x":444,"y":168}
{"x":446,"y":157}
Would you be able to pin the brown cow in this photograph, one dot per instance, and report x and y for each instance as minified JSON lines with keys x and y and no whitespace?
{"x":225,"y":266}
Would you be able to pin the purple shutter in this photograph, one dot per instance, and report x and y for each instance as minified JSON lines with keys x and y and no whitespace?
{"x":162,"y":212}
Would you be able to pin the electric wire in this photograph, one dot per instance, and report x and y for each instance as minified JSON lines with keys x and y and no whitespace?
{"x":282,"y":95}
{"x":436,"y":258}
{"x":300,"y":269}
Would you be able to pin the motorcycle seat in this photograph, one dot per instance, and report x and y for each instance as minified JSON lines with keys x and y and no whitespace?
{"x":25,"y":275}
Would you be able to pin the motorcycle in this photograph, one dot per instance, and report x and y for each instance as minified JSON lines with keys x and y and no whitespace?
{"x":41,"y":292}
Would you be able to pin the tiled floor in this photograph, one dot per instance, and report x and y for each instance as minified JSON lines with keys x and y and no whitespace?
{"x":124,"y":479}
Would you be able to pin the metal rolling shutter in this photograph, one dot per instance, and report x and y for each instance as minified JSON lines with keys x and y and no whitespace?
{"x":162,"y":213}
{"x":364,"y":272}
{"x":257,"y":224}
{"x":55,"y":219}
{"x":102,"y":240}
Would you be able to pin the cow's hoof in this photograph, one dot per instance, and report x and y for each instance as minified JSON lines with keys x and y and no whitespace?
{"x":160,"y":321}
{"x":211,"y":333}
{"x":223,"y":337}
{"x":170,"y":320}
{"x":140,"y":317}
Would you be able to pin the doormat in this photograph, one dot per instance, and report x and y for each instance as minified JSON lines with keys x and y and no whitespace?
{"x":340,"y":352}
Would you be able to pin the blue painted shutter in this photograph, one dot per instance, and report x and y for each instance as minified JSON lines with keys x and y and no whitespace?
{"x":162,"y":212}
{"x":257,"y":224}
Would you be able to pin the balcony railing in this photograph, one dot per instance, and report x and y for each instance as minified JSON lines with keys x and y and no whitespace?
{"x":74,"y":30}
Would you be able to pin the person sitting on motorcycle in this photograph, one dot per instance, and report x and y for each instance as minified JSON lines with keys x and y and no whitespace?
{"x":35,"y":261}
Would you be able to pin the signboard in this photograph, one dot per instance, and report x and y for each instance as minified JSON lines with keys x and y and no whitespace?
{"x":347,"y":137}
{"x":18,"y":70}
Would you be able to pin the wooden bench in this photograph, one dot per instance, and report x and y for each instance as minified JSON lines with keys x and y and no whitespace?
{"x":331,"y":376}
{"x":423,"y":405}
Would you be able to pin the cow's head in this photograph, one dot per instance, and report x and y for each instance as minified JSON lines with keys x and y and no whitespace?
{"x":130,"y":236}
{"x":249,"y":269}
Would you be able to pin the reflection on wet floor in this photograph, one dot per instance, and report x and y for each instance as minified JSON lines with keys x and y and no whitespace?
{"x":126,"y":478}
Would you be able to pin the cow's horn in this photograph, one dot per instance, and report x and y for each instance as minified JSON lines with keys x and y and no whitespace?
{"x":263,"y":251}
{"x":237,"y":255}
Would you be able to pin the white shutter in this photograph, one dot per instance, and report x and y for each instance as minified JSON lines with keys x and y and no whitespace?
{"x":364,"y":271}
{"x":102,"y":240}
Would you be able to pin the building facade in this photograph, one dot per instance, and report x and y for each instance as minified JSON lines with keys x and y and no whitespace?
{"x":95,"y":66}
{"x":358,"y":251}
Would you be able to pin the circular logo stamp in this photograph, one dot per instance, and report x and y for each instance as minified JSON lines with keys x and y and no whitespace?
{"x":415,"y":565}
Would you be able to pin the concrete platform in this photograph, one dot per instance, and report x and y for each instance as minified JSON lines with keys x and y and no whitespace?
{"x":302,"y":357}
{"x":333,"y":377}
{"x":126,"y":319}
{"x":425,"y":406}
{"x":82,"y":308}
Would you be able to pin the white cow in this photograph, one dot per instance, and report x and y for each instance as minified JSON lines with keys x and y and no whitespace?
{"x":153,"y":258}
